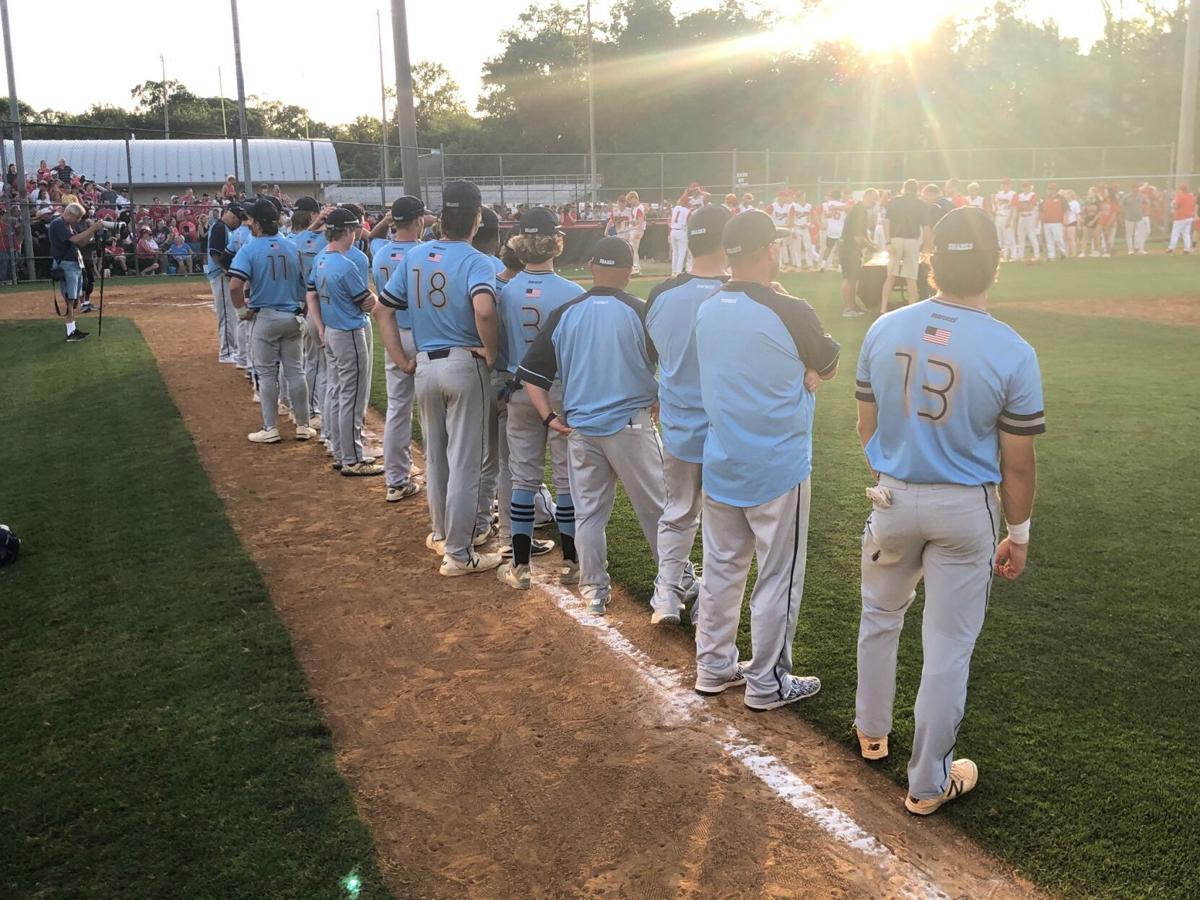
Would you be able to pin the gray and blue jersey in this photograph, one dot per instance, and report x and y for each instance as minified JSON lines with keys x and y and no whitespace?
{"x":387,"y":262}
{"x":526,"y":303}
{"x":598,"y":344}
{"x":946,"y":380}
{"x":439,"y":279}
{"x":341,"y":286}
{"x":239,"y":238}
{"x":269,"y":266}
{"x":754,"y":346}
{"x":308,"y":245}
{"x":217,"y":242}
{"x":671,"y":322}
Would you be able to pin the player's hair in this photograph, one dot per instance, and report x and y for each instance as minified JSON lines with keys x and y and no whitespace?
{"x":532,"y":249}
{"x":973,"y":186}
{"x":931,"y":188}
{"x":704,"y":244}
{"x":458,"y":223}
{"x":910,"y":186}
{"x":511,"y":261}
{"x":301,"y":219}
{"x":336,"y":234}
{"x":964,"y":274}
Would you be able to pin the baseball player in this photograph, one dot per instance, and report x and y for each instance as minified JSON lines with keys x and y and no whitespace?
{"x":1003,"y":202}
{"x":238,"y":238}
{"x":406,"y":220}
{"x":671,"y":324}
{"x":801,"y":243}
{"x":309,"y":238}
{"x":339,"y":303}
{"x":949,"y":402}
{"x":526,"y":303}
{"x":833,"y":213}
{"x":597,"y":344}
{"x":497,"y":481}
{"x":1052,"y":214}
{"x":216,"y":271}
{"x":1183,"y":211}
{"x":1027,"y":221}
{"x":634,"y":227}
{"x":974,"y":198}
{"x":449,"y":288}
{"x":677,"y":236}
{"x":761,"y":354}
{"x":784,"y":217}
{"x":267,"y":265}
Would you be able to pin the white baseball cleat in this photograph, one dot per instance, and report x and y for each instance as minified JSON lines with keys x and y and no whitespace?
{"x":266,"y":436}
{"x":304,"y":433}
{"x":484,"y":536}
{"x":710,"y":688}
{"x":569,"y":573}
{"x":436,"y":545}
{"x":964,"y":775}
{"x":872,"y":748}
{"x":798,"y":688}
{"x":483,"y":562}
{"x":396,"y":493}
{"x":518,"y":577}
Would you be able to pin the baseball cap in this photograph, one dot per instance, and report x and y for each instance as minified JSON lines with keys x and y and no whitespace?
{"x":461,"y":195}
{"x":967,"y":229}
{"x":237,"y":209}
{"x":307,"y":204}
{"x":612,"y":253}
{"x":342,"y":218}
{"x":489,"y":223}
{"x":540,"y":220}
{"x":263,"y":210}
{"x":750,"y":231}
{"x":407,"y":209}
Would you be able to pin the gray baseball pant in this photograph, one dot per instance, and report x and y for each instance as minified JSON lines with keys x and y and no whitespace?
{"x":329,"y":403}
{"x":350,"y":379}
{"x":497,"y":479}
{"x":633,"y":454}
{"x":527,"y":439}
{"x":314,"y":367}
{"x":946,"y":533}
{"x":453,"y":394}
{"x":275,"y":343}
{"x":677,"y":532}
{"x":397,"y":428}
{"x":227,"y":320}
{"x":777,"y":533}
{"x":244,"y":355}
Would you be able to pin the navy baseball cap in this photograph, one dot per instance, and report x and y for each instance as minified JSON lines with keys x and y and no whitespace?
{"x":708,"y":220}
{"x":307,"y":204}
{"x":750,"y":231}
{"x":263,"y":211}
{"x":612,"y":253}
{"x":238,"y":210}
{"x":342,"y":218}
{"x":967,"y":229}
{"x":540,"y":220}
{"x":407,"y":209}
{"x":461,"y":195}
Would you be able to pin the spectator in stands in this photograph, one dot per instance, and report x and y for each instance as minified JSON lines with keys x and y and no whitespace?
{"x":181,"y":255}
{"x":69,"y":196}
{"x":147,"y":256}
{"x":114,"y":256}
{"x":62,"y":171}
{"x":11,"y":176}
{"x":107,"y":195}
{"x":43,"y":172}
{"x":41,"y":201}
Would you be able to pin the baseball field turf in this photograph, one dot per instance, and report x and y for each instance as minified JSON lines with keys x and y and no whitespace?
{"x":159,"y":738}
{"x":1081,"y":706}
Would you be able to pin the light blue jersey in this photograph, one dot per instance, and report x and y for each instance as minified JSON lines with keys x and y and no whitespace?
{"x":438,"y":281}
{"x":946,"y":380}
{"x":387,"y":262}
{"x":341,"y":286}
{"x":597,"y":344}
{"x":754,"y":346}
{"x":671,"y":323}
{"x":217,"y":241}
{"x":526,"y":303}
{"x":308,"y":245}
{"x":239,"y":238}
{"x":269,"y":266}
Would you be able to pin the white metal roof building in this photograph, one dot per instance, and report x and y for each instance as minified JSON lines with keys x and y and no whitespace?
{"x":188,"y":162}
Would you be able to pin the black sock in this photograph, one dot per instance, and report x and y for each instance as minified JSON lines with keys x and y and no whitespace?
{"x":521,"y":546}
{"x":568,"y":548}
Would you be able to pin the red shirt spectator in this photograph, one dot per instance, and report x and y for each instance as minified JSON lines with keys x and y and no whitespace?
{"x":1184,"y":204}
{"x":1053,"y":210}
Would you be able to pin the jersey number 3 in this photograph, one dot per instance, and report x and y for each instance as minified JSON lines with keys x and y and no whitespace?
{"x":940,"y":395}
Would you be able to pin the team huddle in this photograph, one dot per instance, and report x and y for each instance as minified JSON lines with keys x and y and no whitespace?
{"x":699,"y":401}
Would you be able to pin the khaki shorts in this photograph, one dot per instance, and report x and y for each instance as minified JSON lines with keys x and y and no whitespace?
{"x":904,"y":257}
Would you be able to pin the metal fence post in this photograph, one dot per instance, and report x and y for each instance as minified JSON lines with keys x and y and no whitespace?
{"x":733,"y":182}
{"x":312,"y":153}
{"x":129,"y":172}
{"x":767,"y":166}
{"x":500,"y":157}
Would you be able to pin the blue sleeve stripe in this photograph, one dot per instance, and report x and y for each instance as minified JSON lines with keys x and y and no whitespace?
{"x":482,"y":287}
{"x":359,"y":298}
{"x":238,"y":273}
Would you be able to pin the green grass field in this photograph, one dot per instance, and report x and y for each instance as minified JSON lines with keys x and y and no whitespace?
{"x":1081,"y":711}
{"x":159,"y":738}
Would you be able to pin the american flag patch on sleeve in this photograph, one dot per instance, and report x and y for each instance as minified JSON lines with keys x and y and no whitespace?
{"x":435,"y":256}
{"x":934,"y":335}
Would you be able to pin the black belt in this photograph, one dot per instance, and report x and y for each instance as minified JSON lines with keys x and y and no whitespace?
{"x":442,"y":354}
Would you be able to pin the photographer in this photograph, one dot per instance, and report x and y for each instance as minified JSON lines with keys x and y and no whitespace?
{"x":66,"y":239}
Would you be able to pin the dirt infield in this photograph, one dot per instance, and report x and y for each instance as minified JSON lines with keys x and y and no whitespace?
{"x":1164,"y":310}
{"x":496,"y":746}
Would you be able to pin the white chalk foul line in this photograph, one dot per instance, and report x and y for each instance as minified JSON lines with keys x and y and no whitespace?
{"x":682,"y":705}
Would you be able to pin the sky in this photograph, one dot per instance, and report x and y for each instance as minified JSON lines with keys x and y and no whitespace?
{"x":287,"y":47}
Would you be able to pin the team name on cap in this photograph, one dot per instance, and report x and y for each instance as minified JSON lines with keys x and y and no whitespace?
{"x":533,"y":230}
{"x":960,"y":246}
{"x":698,"y":231}
{"x":607,"y":262}
{"x":737,"y":249}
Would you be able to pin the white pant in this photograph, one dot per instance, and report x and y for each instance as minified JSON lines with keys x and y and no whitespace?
{"x":1136,"y":232}
{"x":1054,"y":239}
{"x":1005,"y":236}
{"x":1027,"y":230}
{"x":679,"y":250}
{"x":1181,"y":228}
{"x":801,"y":245}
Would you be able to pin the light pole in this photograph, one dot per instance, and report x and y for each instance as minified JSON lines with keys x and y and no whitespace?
{"x":591,"y":107}
{"x":166,"y":113}
{"x":383,"y":128}
{"x":241,"y":89}
{"x":14,"y":112}
{"x":1185,"y":157}
{"x":406,"y":117}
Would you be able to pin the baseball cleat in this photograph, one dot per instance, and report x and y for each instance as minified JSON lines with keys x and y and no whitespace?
{"x":336,"y":466}
{"x":226,"y":359}
{"x":314,"y":421}
{"x":537,"y":547}
{"x":964,"y":775}
{"x":304,"y":433}
{"x":514,"y":576}
{"x":438,"y":546}
{"x":483,"y":562}
{"x":569,"y":573}
{"x":484,"y":536}
{"x":402,"y":491}
{"x":362,"y":468}
{"x":664,"y":618}
{"x":254,"y":397}
{"x":86,"y":306}
{"x":76,"y":336}
{"x":691,"y":587}
{"x":266,"y":436}
{"x":798,"y":688}
{"x":872,"y":748}
{"x":597,"y":605}
{"x":712,"y":688}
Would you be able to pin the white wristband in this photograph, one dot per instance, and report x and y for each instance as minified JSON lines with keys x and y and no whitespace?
{"x":1018,"y":534}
